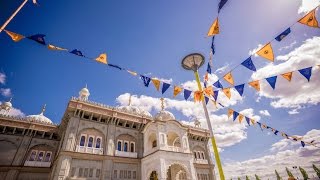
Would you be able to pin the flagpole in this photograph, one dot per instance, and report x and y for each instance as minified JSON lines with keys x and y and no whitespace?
{"x":12,"y":16}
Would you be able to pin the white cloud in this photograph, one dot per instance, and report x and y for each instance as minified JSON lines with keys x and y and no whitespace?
{"x":293,"y":111}
{"x":285,"y":153}
{"x":2,"y":78}
{"x":253,"y":51}
{"x":6,"y":92}
{"x":264,"y":112}
{"x":13,"y":112}
{"x":289,"y":46}
{"x":307,"y":5}
{"x":222,"y":69}
{"x":298,"y":93}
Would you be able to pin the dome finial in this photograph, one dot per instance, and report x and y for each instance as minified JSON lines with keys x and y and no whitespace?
{"x":129,"y":104}
{"x":10,"y":99}
{"x":43,"y":109}
{"x":162,"y":103}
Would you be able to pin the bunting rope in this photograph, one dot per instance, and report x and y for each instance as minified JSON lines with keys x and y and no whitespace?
{"x":265,"y":51}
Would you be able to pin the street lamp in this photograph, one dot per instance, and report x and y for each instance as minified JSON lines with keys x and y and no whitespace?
{"x":193,"y":62}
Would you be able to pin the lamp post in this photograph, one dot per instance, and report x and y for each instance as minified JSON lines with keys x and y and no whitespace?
{"x":12,"y":16}
{"x":193,"y":62}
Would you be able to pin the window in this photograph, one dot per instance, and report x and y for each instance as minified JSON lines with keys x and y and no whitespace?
{"x":98,"y":142}
{"x":125,"y":148}
{"x":82,"y":140}
{"x":86,"y":172}
{"x":73,"y":171}
{"x":98,"y":173}
{"x":119,"y":145}
{"x":121,"y":174}
{"x":40,"y":156}
{"x":134,"y":174}
{"x":202,"y":154}
{"x":48,"y":156}
{"x":80,"y":172}
{"x":125,"y":174}
{"x":195,"y":155}
{"x":129,"y":174}
{"x":131,"y":147}
{"x":154,"y":143}
{"x":91,"y":172}
{"x":90,"y":143}
{"x":115,"y":174}
{"x":198,"y":155}
{"x":33,"y":156}
{"x":162,"y":138}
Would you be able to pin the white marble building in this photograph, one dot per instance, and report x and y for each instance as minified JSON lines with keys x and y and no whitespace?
{"x":95,"y":141}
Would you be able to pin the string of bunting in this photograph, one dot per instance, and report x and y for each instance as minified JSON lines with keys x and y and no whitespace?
{"x":251,"y":122}
{"x":265,"y":51}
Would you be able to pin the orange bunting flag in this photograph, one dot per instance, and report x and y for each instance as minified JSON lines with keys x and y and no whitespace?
{"x":52,"y":47}
{"x":287,"y":76}
{"x":206,"y":77}
{"x":240,"y":118}
{"x":176,"y":90}
{"x":102,"y":58}
{"x":214,"y":29}
{"x":14,"y":36}
{"x":132,"y":72}
{"x":252,"y":121}
{"x":208,"y":91}
{"x":230,"y":112}
{"x":156,"y":83}
{"x":310,"y":19}
{"x":227,"y":92}
{"x":198,"y":96}
{"x":264,"y":126}
{"x":255,"y":84}
{"x":228,"y":77}
{"x":266,"y":52}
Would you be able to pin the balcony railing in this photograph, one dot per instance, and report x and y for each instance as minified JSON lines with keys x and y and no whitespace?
{"x":200,"y":161}
{"x":174,"y":148}
{"x":37,"y":164}
{"x":90,"y":150}
{"x":126,"y":154}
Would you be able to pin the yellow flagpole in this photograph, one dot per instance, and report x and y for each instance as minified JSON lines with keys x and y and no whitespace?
{"x":12,"y":16}
{"x":214,"y":145}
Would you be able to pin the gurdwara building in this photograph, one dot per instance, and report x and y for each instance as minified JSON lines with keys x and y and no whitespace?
{"x":99,"y":142}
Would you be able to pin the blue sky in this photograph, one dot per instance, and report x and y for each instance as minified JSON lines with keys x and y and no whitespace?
{"x":152,"y":38}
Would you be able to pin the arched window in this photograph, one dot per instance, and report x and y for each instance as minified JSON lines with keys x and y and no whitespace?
{"x":98,"y":143}
{"x":119,"y":146}
{"x":202,"y":154}
{"x":132,"y":147}
{"x":40,"y":156}
{"x":125,"y":148}
{"x":154,"y":143}
{"x":90,"y":143}
{"x":195,"y":155}
{"x":199,"y":155}
{"x":48,"y":156}
{"x":82,"y":140}
{"x":33,"y":156}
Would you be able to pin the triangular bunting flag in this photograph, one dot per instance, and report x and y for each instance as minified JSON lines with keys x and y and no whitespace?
{"x":260,"y":125}
{"x":208,"y":91}
{"x":266,"y":52}
{"x":221,"y":4}
{"x":230,"y":112}
{"x":240,"y":118}
{"x":132,"y":72}
{"x":206,"y":78}
{"x":272,"y":81}
{"x":165,"y":86}
{"x":214,"y":29}
{"x":228,"y":77}
{"x":115,"y":66}
{"x":14,"y":36}
{"x":156,"y":83}
{"x":227,"y":92}
{"x":217,"y":84}
{"x":264,"y":126}
{"x":240,"y":89}
{"x":285,"y":135}
{"x":213,"y":51}
{"x":215,"y":95}
{"x":187,"y":94}
{"x":52,"y":47}
{"x":249,"y":64}
{"x":176,"y":90}
{"x":310,"y":19}
{"x":306,"y":72}
{"x":207,"y":99}
{"x":209,"y":68}
{"x":39,"y":38}
{"x":102,"y":58}
{"x":287,"y":76}
{"x":276,"y":132}
{"x":198,"y":96}
{"x":146,"y":80}
{"x":302,"y":144}
{"x":283,"y":34}
{"x":76,"y":52}
{"x":255,"y":84}
{"x":235,"y":115}
{"x":252,"y":121}
{"x":248,"y":120}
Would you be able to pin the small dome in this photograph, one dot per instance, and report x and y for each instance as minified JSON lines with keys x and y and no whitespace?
{"x":40,"y":118}
{"x":135,"y":110}
{"x":7,"y":105}
{"x":164,"y":115}
{"x":84,"y":94}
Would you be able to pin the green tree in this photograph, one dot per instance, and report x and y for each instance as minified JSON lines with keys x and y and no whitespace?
{"x":289,"y":173}
{"x":304,"y":173}
{"x":247,"y":178}
{"x":316,"y":170}
{"x":239,"y":178}
{"x":278,"y":176}
{"x":257,"y":177}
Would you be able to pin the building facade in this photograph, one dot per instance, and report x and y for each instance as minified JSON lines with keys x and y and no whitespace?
{"x":95,"y":141}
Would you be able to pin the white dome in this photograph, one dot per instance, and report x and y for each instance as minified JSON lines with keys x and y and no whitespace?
{"x":164,"y":116}
{"x":84,"y":91}
{"x":7,"y":105}
{"x":135,"y":110}
{"x":40,"y":118}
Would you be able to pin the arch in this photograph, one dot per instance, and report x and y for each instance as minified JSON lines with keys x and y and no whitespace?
{"x":177,"y":171}
{"x":7,"y":151}
{"x":173,"y":139}
{"x":40,"y":152}
{"x":87,"y":133}
{"x":152,"y":141}
{"x":124,"y":143}
{"x":153,"y":175}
